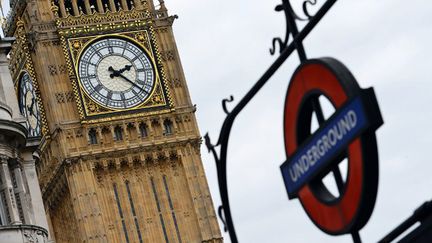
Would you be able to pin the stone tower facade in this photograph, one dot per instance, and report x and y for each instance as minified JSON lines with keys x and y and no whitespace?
{"x":22,"y":214}
{"x":120,"y":149}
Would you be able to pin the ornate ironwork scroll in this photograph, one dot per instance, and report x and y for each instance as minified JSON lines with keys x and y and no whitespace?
{"x":286,"y":48}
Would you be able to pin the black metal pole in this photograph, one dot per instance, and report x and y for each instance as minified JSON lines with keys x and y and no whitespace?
{"x":321,"y":119}
{"x":356,"y":237}
{"x":291,"y":24}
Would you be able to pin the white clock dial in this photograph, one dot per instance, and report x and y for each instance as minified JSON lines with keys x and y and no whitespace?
{"x":116,"y":73}
{"x":28,"y":105}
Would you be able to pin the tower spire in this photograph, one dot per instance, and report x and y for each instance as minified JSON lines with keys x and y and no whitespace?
{"x":162,"y":5}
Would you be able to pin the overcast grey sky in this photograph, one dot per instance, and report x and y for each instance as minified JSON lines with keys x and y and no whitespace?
{"x":386,"y":44}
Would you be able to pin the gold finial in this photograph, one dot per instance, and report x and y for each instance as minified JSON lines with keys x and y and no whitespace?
{"x":76,"y":44}
{"x":80,"y":10}
{"x":54,"y":9}
{"x":140,"y":37}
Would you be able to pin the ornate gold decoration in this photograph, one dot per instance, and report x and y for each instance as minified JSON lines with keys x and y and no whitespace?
{"x":14,"y":17}
{"x":97,"y":22}
{"x":140,"y":37}
{"x":159,"y":98}
{"x":76,"y":45}
{"x":64,"y":97}
{"x":159,"y":64}
{"x":72,"y":77}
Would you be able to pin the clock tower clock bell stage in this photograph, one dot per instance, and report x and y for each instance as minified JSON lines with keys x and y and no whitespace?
{"x":100,"y":81}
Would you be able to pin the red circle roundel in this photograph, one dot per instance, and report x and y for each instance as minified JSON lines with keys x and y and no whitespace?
{"x":350,"y":210}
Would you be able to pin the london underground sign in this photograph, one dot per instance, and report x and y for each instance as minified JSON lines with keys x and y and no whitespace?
{"x":348,"y":133}
{"x":317,"y":153}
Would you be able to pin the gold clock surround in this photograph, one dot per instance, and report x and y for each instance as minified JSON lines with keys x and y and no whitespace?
{"x":159,"y":99}
{"x":24,"y":64}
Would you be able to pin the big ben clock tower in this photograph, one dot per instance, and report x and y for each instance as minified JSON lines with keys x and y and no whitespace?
{"x":100,"y":81}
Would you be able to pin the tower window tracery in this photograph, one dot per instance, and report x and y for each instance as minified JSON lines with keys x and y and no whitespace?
{"x":164,"y":177}
{"x":168,"y":127}
{"x":156,"y":197}
{"x":118,"y":133}
{"x":92,"y":136}
{"x":118,"y":5}
{"x":88,"y":7}
{"x":143,"y":130}
{"x":133,"y":212}
{"x":120,"y":210}
{"x":67,"y":7}
{"x":130,"y":4}
{"x":82,"y":7}
{"x":93,"y":6}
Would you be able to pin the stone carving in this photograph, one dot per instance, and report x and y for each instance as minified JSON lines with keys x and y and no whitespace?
{"x":52,"y":70}
{"x":34,"y":235}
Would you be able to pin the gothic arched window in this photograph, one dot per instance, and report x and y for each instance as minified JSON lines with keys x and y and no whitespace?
{"x":118,"y":133}
{"x":68,"y":7}
{"x":143,"y":130}
{"x":92,"y":136}
{"x":81,"y":7}
{"x":130,"y":4}
{"x":168,"y":127}
{"x":117,"y":5}
{"x":93,"y":7}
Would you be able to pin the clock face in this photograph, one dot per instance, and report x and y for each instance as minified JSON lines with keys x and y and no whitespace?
{"x":28,"y":105}
{"x":116,"y":73}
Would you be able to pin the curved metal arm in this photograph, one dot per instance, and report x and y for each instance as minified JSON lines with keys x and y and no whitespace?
{"x":305,"y":7}
{"x":224,"y":101}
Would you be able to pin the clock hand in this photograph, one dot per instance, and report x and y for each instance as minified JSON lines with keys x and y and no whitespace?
{"x":34,"y":106}
{"x":33,"y":102}
{"x":116,"y":73}
{"x":133,"y":83}
{"x":126,"y":68}
{"x":30,"y":108}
